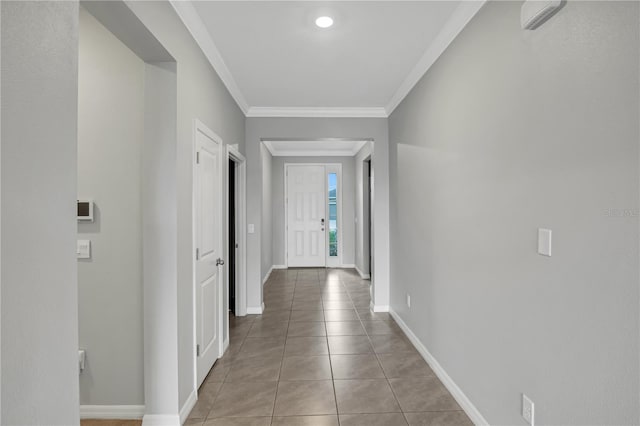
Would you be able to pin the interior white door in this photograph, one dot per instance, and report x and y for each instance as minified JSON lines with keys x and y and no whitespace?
{"x":305,"y":216}
{"x":208,"y":194}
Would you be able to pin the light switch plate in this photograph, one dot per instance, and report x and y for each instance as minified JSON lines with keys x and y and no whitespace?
{"x":83,"y":249}
{"x":544,"y":241}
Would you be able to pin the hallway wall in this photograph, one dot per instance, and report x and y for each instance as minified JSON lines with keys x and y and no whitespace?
{"x":508,"y":132}
{"x":39,"y":380}
{"x":348,"y":205}
{"x":202,"y":95}
{"x":110,"y":138}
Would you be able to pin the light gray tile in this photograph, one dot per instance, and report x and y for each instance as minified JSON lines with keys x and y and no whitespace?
{"x":439,"y":418}
{"x":304,"y":328}
{"x":305,"y":398}
{"x":306,"y":368}
{"x":379,"y":419}
{"x":339,"y":345}
{"x":365,"y":396}
{"x":239,"y":421}
{"x":256,"y":369}
{"x":244,"y":400}
{"x":305,"y":421}
{"x":341,"y":315}
{"x":423,"y":394}
{"x":306,"y":346}
{"x":356,"y":367}
{"x":404,"y":365}
{"x":345,"y":328}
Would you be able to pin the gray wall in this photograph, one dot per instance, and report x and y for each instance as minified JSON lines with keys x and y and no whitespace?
{"x":110,"y":137}
{"x":202,"y":95}
{"x":314,"y":128}
{"x":39,"y":272}
{"x":348,"y":204}
{"x":362,"y":235}
{"x":510,"y":131}
{"x":267,"y":210}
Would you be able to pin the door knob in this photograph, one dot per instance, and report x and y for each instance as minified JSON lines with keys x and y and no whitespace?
{"x":219,"y":262}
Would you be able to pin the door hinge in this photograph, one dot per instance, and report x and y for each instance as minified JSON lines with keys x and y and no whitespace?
{"x":197,"y":254}
{"x":197,"y":350}
{"x":198,"y":157}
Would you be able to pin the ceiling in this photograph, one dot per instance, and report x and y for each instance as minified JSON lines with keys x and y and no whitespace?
{"x":276,"y":62}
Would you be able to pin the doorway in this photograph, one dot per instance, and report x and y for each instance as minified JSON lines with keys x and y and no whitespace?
{"x":368,"y":192}
{"x":233,"y":245}
{"x":313,"y":215}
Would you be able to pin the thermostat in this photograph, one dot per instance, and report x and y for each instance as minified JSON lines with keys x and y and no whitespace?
{"x":85,"y":210}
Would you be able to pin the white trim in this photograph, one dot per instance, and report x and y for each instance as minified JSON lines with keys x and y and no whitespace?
{"x":379,"y":308}
{"x":347,"y":266}
{"x":161,"y":420}
{"x":316,"y":112}
{"x":117,"y":412}
{"x":357,"y":146}
{"x":225,"y":344}
{"x":266,"y":277}
{"x":191,"y":19}
{"x":338,"y":166}
{"x":456,"y":23}
{"x":252,"y":310}
{"x":241,"y":229}
{"x":279,"y":267}
{"x":464,"y":402}
{"x":362,"y":275}
{"x":188,"y":406}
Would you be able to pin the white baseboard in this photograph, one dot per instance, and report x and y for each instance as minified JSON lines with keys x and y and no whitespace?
{"x":279,"y":266}
{"x":448,"y":382}
{"x":188,"y":406}
{"x":225,"y":345}
{"x":347,"y":266}
{"x":161,"y":420}
{"x":379,"y":308}
{"x":266,"y":277}
{"x":362,"y":274}
{"x":255,"y":310}
{"x":116,"y":412}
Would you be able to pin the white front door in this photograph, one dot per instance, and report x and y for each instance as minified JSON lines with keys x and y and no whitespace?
{"x":306,"y":216}
{"x":208,"y":239}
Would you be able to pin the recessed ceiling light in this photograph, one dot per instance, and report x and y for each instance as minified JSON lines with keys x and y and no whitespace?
{"x":324,"y":21}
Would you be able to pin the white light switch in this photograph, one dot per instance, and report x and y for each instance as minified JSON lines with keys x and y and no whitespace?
{"x":544,"y":241}
{"x":83,"y":249}
{"x":252,"y":228}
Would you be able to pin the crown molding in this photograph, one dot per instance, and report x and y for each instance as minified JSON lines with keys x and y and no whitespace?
{"x":276,"y":152}
{"x":316,"y":112}
{"x":198,"y":30}
{"x":454,"y":26}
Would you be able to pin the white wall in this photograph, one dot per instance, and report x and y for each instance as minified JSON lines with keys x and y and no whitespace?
{"x":202,"y":95}
{"x":348,"y":205}
{"x":510,"y":131}
{"x":110,"y":138}
{"x":39,"y":52}
{"x":315,"y":128}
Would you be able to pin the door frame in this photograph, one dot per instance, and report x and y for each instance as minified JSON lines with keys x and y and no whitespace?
{"x":337,"y":166}
{"x":199,"y":126}
{"x":241,"y":232}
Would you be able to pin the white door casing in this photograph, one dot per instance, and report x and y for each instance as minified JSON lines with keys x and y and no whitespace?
{"x":208,"y":242}
{"x":306,"y":207}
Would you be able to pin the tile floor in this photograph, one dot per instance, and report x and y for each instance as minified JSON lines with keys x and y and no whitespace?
{"x":319,"y":357}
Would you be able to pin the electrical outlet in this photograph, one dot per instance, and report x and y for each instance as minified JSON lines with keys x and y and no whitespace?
{"x":408,"y":300}
{"x":527,"y":409}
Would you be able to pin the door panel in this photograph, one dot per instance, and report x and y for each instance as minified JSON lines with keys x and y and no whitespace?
{"x":305,"y":215}
{"x":208,"y":182}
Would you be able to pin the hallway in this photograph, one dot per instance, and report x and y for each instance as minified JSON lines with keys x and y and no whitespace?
{"x":319,"y":357}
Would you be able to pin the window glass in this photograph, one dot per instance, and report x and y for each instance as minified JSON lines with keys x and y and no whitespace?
{"x":333,"y":215}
